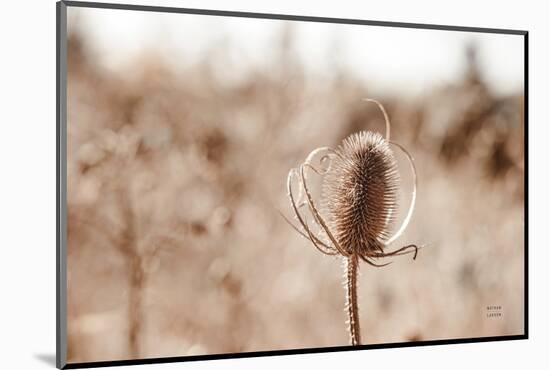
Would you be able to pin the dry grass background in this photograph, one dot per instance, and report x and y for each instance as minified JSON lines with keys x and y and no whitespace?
{"x":175,"y":246}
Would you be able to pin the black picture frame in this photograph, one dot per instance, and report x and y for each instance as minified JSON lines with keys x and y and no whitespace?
{"x":61,"y":187}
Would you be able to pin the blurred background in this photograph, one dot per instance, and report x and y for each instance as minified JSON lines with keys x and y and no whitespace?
{"x":181,"y":131}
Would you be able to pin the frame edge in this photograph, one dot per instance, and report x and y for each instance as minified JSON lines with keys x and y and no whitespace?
{"x":288,"y":17}
{"x":61,"y":185}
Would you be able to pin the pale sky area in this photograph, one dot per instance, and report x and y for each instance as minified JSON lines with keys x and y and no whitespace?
{"x":397,"y":60}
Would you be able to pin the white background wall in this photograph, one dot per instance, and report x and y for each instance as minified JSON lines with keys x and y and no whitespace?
{"x":27,"y":185}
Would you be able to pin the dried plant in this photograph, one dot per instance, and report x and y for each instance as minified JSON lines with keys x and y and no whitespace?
{"x":359,"y":197}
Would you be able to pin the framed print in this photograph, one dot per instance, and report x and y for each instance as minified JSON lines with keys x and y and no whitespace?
{"x":239,"y":184}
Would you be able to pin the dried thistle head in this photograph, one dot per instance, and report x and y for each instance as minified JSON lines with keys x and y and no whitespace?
{"x":360,"y":193}
{"x":359,"y":196}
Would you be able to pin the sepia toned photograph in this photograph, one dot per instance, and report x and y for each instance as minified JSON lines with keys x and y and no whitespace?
{"x":245,"y":184}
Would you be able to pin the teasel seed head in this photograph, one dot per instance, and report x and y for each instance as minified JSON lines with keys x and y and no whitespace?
{"x":359,"y":198}
{"x":360,"y":193}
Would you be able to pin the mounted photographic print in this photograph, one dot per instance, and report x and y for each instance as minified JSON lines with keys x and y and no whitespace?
{"x":239,"y":184}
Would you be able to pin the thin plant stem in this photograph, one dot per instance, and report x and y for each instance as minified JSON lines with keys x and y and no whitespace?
{"x":352,"y":264}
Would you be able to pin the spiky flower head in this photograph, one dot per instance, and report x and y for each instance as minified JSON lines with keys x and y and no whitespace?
{"x":359,"y":196}
{"x":360,"y":193}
